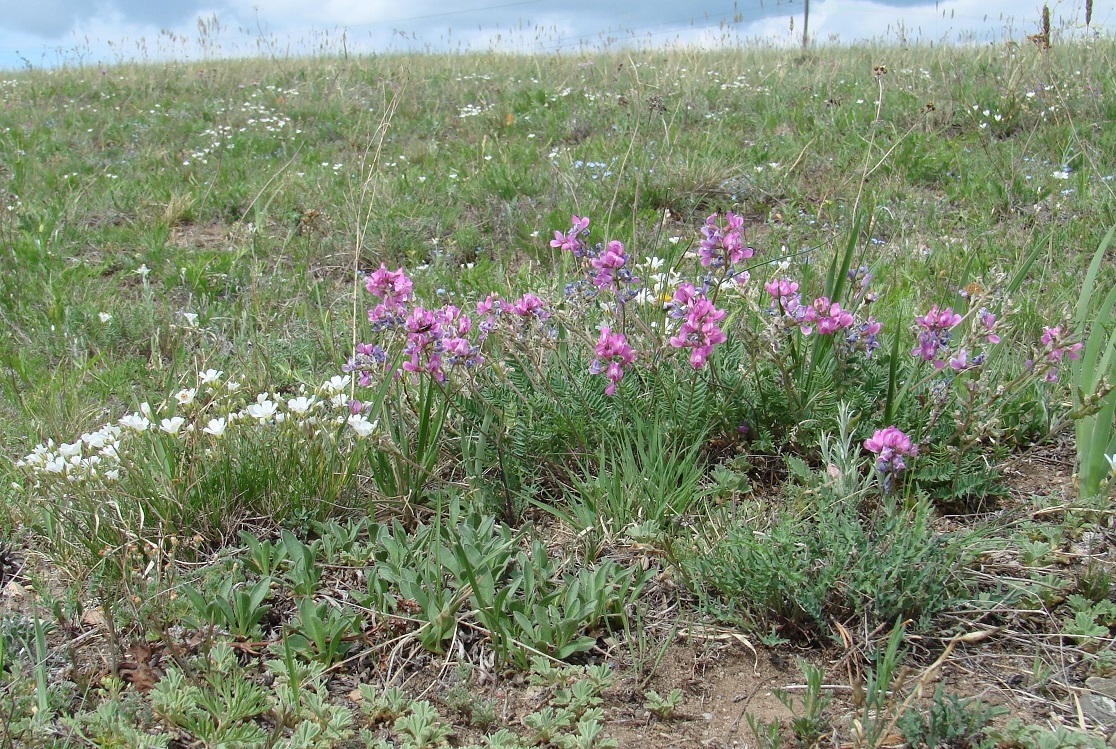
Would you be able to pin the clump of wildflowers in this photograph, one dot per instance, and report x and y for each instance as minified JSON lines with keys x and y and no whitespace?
{"x":890,"y":445}
{"x":191,"y":417}
{"x":613,"y":354}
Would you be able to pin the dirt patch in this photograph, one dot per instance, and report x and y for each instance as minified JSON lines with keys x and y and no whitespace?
{"x":722,"y":683}
{"x":209,"y":236}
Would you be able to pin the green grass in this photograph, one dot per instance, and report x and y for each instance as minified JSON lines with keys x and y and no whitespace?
{"x":157,"y":221}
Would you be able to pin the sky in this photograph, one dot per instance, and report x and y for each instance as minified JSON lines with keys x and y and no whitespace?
{"x":48,"y":33}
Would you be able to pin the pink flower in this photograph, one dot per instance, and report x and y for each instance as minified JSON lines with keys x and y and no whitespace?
{"x":610,"y":261}
{"x":435,"y":340}
{"x":528,"y":305}
{"x":699,"y":331}
{"x":890,"y":445}
{"x":723,"y":244}
{"x":392,"y":286}
{"x":1053,"y":339}
{"x":960,"y":361}
{"x":934,"y":334}
{"x":788,"y":303}
{"x":828,"y":316}
{"x":613,"y":354}
{"x":569,"y":240}
{"x":684,"y":294}
{"x":394,"y":290}
{"x":988,"y":323}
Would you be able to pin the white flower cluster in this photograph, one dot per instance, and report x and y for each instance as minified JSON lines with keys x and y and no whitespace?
{"x":657,"y":285}
{"x":97,"y":455}
{"x":94,"y":455}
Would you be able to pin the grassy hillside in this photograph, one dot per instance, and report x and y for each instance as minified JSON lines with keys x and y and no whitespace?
{"x":209,"y":502}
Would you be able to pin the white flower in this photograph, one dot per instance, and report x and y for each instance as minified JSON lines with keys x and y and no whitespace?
{"x":263,"y":409}
{"x":1061,"y":174}
{"x":69,"y":450}
{"x":172,"y":425}
{"x":362,"y":426}
{"x":56,"y":464}
{"x":185,"y":396}
{"x":336,"y":384}
{"x":105,"y":316}
{"x":95,"y":440}
{"x":1111,"y":461}
{"x":340,"y":400}
{"x":135,"y":422}
{"x":142,"y":271}
{"x":232,"y":386}
{"x":210,"y":376}
{"x":145,"y":409}
{"x":109,"y":452}
{"x":301,"y":405}
{"x":653,"y":263}
{"x":191,"y":318}
{"x":216,"y":427}
{"x":113,"y":475}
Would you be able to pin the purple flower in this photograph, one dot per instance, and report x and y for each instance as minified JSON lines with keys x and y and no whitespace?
{"x":863,"y":336}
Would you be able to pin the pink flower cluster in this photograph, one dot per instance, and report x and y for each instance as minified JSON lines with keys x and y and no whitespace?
{"x":890,"y":446}
{"x":394,"y":290}
{"x":436,"y":339}
{"x":571,"y":239}
{"x":608,"y":265}
{"x":785,"y":293}
{"x":1053,"y":339}
{"x":613,"y":354}
{"x":934,"y":333}
{"x":723,"y":243}
{"x":527,"y":308}
{"x":699,"y":331}
{"x":827,"y":316}
{"x":987,"y":322}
